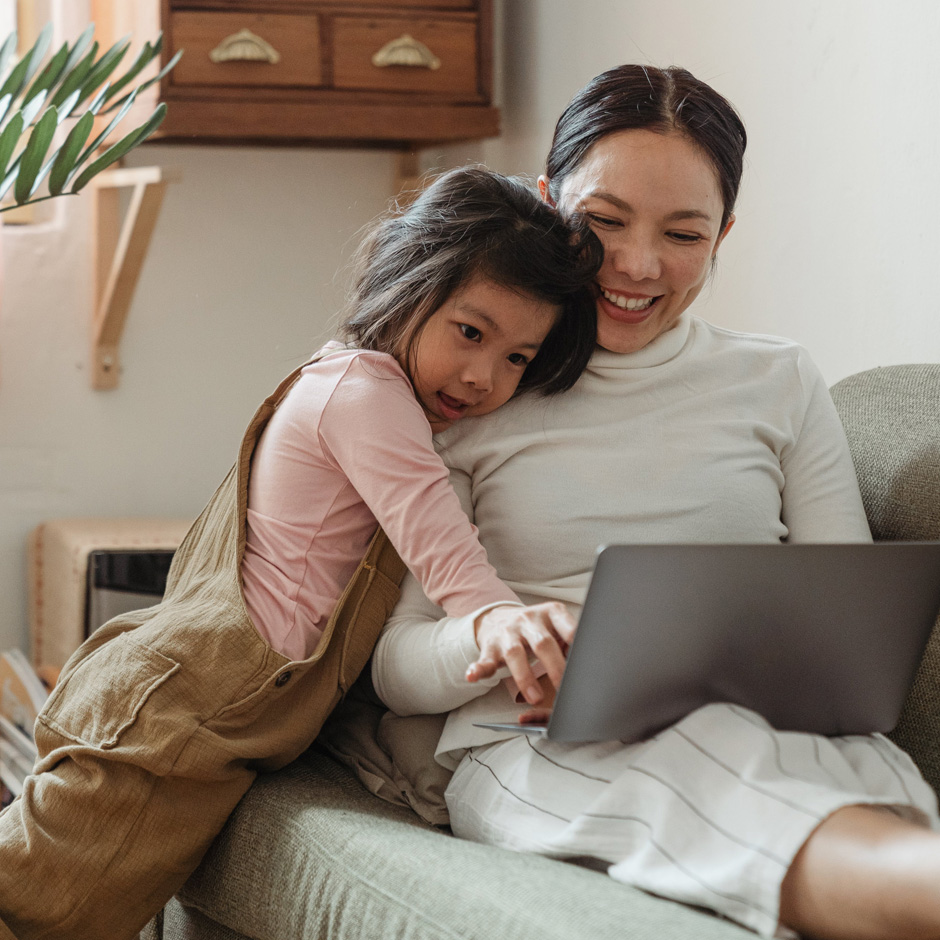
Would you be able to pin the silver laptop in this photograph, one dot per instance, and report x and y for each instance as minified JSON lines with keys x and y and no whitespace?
{"x":822,"y":638}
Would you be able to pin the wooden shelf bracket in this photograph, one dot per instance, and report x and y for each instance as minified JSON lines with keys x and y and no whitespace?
{"x":120,"y":249}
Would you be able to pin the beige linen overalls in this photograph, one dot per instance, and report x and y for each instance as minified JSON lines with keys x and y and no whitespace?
{"x":160,"y":723}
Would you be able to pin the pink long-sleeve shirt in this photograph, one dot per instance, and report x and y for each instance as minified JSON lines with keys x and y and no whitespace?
{"x":349,"y":448}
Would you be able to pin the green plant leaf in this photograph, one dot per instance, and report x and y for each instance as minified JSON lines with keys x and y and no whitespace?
{"x":35,"y":55}
{"x":5,"y":103}
{"x":100,"y":139}
{"x":105,"y":66}
{"x":67,"y":159}
{"x":34,"y":107}
{"x":115,"y":153}
{"x":34,"y":154}
{"x":6,"y":50}
{"x":9,"y":138}
{"x":149,"y":82}
{"x":99,"y":99}
{"x":78,"y":50}
{"x":49,"y":75}
{"x":16,"y":79}
{"x":24,"y":70}
{"x":68,"y":106}
{"x":76,"y":77}
{"x":8,"y":181}
{"x":144,"y":59}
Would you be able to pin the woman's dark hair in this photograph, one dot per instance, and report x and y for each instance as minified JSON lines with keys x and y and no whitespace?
{"x":663,"y":100}
{"x":471,"y":223}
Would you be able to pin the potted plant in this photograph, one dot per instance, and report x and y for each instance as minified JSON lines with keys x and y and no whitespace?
{"x":75,"y":83}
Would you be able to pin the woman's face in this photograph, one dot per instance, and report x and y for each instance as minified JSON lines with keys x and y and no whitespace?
{"x":655,"y":203}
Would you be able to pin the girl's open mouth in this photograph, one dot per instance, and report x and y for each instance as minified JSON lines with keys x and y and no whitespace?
{"x":451,"y":408}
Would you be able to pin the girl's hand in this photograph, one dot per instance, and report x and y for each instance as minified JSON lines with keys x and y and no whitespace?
{"x":507,"y":636}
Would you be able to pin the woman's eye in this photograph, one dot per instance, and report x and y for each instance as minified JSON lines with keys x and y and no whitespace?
{"x":471,"y":332}
{"x":687,"y":238}
{"x":517,"y":359}
{"x":603,"y":219}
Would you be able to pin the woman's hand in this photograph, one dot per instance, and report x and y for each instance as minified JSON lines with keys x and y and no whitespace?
{"x":508,"y":636}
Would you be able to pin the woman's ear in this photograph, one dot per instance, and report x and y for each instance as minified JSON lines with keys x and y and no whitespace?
{"x":543,"y":190}
{"x":721,"y":237}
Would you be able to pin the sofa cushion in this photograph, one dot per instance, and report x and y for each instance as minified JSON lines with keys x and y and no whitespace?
{"x":892,"y":421}
{"x":310,"y":853}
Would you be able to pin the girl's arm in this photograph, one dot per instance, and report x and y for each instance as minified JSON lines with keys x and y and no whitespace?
{"x":376,"y":433}
{"x":420,"y":665}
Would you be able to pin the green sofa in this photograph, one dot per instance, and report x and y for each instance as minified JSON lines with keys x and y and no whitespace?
{"x":312,"y":853}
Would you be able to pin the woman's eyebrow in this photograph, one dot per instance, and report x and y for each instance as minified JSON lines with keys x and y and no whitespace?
{"x":678,"y":216}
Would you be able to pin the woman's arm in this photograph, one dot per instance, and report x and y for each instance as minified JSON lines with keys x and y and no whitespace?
{"x":426,"y":663}
{"x":821,"y":499}
{"x":420,"y":662}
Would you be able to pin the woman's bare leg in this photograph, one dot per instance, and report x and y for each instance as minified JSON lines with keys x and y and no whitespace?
{"x":865,"y":874}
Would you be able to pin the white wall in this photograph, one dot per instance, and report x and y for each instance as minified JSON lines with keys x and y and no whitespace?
{"x":836,"y":244}
{"x":837,"y":240}
{"x":240,"y":284}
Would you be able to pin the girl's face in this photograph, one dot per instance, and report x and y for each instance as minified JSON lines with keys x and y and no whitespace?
{"x":469,"y":356}
{"x":655,"y":203}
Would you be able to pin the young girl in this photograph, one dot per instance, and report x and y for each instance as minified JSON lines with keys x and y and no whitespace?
{"x":471,"y":293}
{"x":162,"y":719}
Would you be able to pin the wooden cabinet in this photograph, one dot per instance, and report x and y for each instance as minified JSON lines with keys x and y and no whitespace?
{"x":318,"y":71}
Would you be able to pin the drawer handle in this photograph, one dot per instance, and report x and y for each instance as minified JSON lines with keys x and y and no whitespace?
{"x":245,"y":46}
{"x":406,"y":50}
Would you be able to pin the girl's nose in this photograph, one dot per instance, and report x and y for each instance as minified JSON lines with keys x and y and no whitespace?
{"x":636,"y":257}
{"x":478,"y":373}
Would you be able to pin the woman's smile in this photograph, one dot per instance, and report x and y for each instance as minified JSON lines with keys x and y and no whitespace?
{"x":628,"y":308}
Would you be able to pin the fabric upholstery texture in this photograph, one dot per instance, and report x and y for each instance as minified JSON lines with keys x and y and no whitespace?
{"x":892,"y":420}
{"x":311,"y":853}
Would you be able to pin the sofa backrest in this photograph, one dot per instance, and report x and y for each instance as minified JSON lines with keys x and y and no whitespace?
{"x":892,"y":420}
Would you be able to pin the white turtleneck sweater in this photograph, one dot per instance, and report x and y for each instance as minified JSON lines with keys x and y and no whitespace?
{"x":705,"y":435}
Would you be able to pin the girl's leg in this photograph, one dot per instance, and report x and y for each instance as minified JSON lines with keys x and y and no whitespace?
{"x":865,"y":874}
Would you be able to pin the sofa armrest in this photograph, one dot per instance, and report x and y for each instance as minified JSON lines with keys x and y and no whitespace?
{"x":891,"y":417}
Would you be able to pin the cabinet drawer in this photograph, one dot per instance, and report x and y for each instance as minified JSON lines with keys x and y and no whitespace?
{"x":246,"y":49}
{"x":452,"y":44}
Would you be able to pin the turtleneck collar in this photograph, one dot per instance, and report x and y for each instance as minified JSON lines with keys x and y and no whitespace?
{"x":666,"y":346}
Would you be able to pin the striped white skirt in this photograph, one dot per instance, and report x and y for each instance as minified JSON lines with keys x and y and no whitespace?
{"x":710,"y":812}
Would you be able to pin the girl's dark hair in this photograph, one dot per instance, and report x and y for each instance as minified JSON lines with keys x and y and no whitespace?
{"x":664,"y":100}
{"x":472,"y":222}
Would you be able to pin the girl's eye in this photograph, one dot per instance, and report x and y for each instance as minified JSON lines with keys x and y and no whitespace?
{"x":685,"y":237}
{"x":470,"y":332}
{"x":517,"y":359}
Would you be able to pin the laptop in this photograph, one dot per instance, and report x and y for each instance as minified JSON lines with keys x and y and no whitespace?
{"x":818,"y":637}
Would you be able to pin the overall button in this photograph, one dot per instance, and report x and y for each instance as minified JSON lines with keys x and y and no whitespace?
{"x":282,"y":679}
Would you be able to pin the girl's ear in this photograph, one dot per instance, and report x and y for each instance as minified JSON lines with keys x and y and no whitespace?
{"x":543,"y":190}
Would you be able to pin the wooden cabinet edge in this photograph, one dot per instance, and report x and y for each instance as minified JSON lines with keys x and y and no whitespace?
{"x":312,"y":124}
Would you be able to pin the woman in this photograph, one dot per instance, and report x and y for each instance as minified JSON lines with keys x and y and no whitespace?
{"x":678,"y":431}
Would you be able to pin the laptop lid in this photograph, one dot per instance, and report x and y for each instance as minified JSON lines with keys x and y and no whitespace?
{"x":823,"y":637}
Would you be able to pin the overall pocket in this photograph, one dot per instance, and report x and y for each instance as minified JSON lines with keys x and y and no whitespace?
{"x":103,"y":695}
